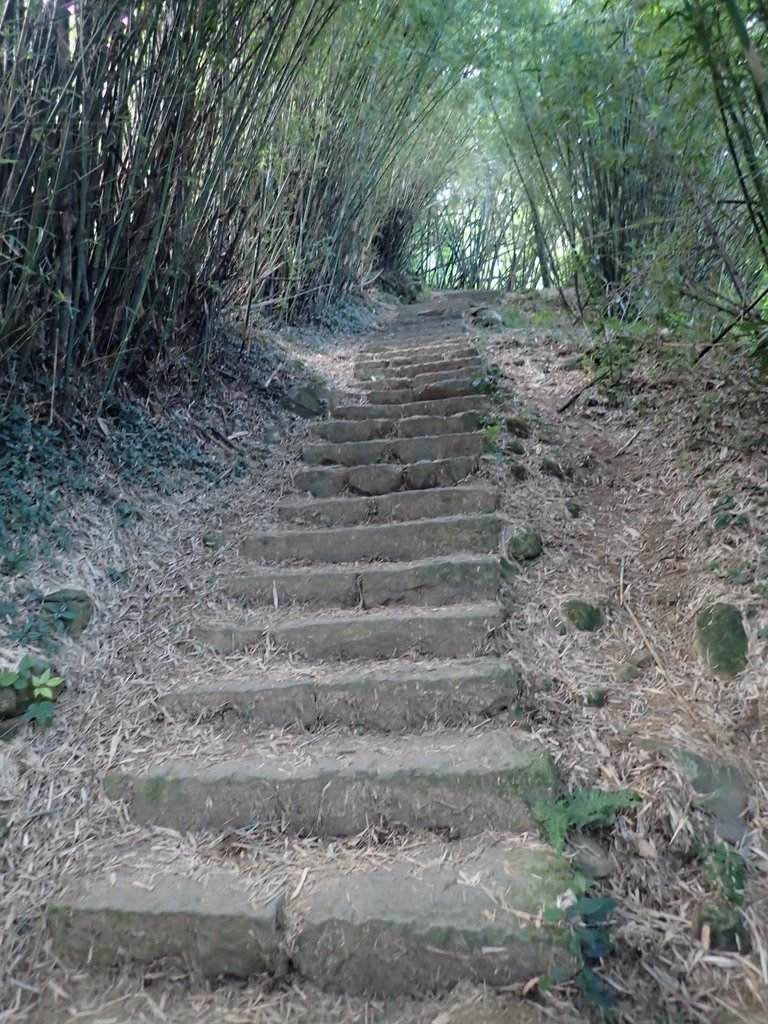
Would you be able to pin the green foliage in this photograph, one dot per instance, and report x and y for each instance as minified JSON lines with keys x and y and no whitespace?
{"x":36,"y":689}
{"x":35,"y":467}
{"x":725,"y":870}
{"x":582,"y":809}
{"x":40,"y":467}
{"x":491,"y":434}
{"x":588,"y":919}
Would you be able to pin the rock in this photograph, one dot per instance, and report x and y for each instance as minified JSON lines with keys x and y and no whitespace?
{"x":626,"y":673}
{"x":487,"y":317}
{"x":583,"y":616}
{"x":214,"y":540}
{"x":524,"y":545}
{"x":641,"y":659}
{"x":722,"y":640}
{"x":589,"y":858}
{"x":518,"y":426}
{"x":517,"y":471}
{"x":597,"y":698}
{"x":8,"y":707}
{"x":514,"y":447}
{"x":72,"y":608}
{"x":309,"y":399}
{"x":726,"y":929}
{"x":573,"y":510}
{"x":551,"y":468}
{"x":721,"y":788}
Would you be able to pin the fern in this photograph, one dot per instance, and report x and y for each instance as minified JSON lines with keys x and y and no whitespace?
{"x":582,"y":808}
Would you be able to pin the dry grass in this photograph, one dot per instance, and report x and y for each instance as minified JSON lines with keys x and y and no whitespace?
{"x":639,"y":549}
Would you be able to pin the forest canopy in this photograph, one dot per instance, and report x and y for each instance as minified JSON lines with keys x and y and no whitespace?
{"x":164,"y":162}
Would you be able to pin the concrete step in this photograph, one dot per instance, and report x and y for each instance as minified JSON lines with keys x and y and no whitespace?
{"x":378,"y":395}
{"x":467,"y":499}
{"x":450,"y":913}
{"x":341,"y":431}
{"x":409,"y":541}
{"x":434,"y":581}
{"x":420,"y":380}
{"x":385,"y":369}
{"x":403,"y":696}
{"x":464,"y":783}
{"x":392,"y":449}
{"x":453,"y":632}
{"x":440,"y":407}
{"x":454,"y":387}
{"x":423,"y":351}
{"x":384,"y":477}
{"x":385,"y":384}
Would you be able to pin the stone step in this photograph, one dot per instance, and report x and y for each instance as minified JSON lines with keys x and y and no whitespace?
{"x":384,"y":369}
{"x":453,"y":632}
{"x":435,"y":581}
{"x":467,"y":499}
{"x":403,"y":696}
{"x":399,"y":540}
{"x":385,"y":384}
{"x":392,"y":449}
{"x":378,"y":395}
{"x":452,"y":912}
{"x":418,"y":380}
{"x":384,"y":477}
{"x":421,"y":380}
{"x":341,"y":431}
{"x":454,"y":387}
{"x":465,"y":783}
{"x":423,"y":349}
{"x":441,"y":407}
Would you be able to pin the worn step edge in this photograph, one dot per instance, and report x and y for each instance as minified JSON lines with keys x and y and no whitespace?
{"x":208,"y":923}
{"x":380,"y":370}
{"x":460,"y":912}
{"x":408,"y":348}
{"x":402,"y":539}
{"x":454,"y":387}
{"x":428,"y":348}
{"x":450,"y":632}
{"x":398,"y":697}
{"x":463,"y":782}
{"x":376,"y":478}
{"x":444,"y":580}
{"x":345,"y":431}
{"x":463,"y":499}
{"x":436,"y":407}
{"x":429,"y":447}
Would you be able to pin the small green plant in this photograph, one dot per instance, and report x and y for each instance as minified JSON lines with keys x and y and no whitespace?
{"x":35,"y":689}
{"x":725,"y":870}
{"x":588,"y":919}
{"x":582,"y":809}
{"x":488,"y":382}
{"x":491,"y":434}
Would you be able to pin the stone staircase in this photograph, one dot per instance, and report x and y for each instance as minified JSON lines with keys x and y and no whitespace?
{"x":385,"y":580}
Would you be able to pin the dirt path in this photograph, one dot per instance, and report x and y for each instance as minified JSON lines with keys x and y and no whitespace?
{"x":336,"y":783}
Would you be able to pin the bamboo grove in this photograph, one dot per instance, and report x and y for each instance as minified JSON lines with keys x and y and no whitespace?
{"x":618,"y":147}
{"x":165,"y":161}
